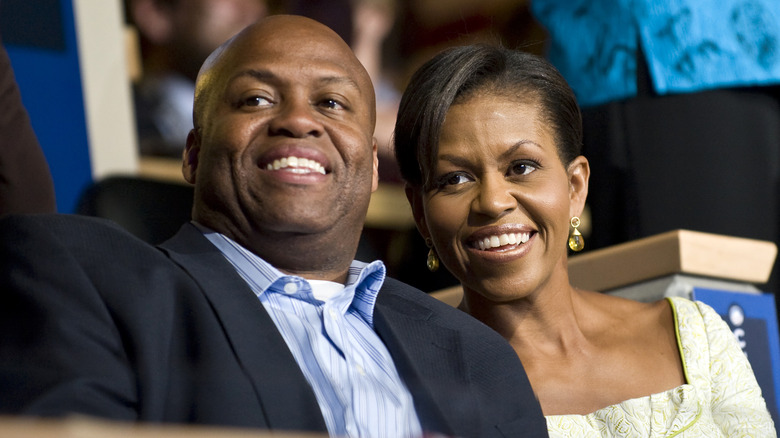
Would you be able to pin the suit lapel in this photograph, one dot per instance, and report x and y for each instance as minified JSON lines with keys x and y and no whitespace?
{"x":428,"y":358}
{"x":287,"y":400}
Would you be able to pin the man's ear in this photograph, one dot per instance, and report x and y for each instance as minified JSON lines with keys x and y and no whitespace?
{"x":153,"y":20}
{"x":414,"y":196}
{"x":375,"y":180}
{"x":579,"y":174}
{"x":189,"y":163}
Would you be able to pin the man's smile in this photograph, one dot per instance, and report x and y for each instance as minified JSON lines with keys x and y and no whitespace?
{"x":296,"y":165}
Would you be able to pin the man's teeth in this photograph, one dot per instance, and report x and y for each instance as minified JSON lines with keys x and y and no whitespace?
{"x":297,"y":165}
{"x":503,"y":239}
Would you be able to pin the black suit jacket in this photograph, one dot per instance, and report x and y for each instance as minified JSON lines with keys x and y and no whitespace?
{"x":95,"y":321}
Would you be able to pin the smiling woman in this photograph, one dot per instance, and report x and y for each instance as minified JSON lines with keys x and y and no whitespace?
{"x":488,"y":141}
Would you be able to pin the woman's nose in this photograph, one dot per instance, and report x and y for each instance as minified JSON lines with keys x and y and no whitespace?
{"x":495,"y":197}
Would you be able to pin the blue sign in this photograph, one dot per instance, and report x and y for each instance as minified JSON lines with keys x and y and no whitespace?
{"x":753,"y":319}
{"x":40,"y":37}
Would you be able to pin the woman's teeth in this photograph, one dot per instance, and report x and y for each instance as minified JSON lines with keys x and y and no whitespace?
{"x":298,"y":165}
{"x":502,"y":240}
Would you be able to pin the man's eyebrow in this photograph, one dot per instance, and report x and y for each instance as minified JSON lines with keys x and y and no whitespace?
{"x":268,"y":76}
{"x":339,"y":80}
{"x":260,"y":75}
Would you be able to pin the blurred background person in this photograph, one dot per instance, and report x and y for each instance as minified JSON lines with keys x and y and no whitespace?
{"x":373,"y":20}
{"x":175,"y":38}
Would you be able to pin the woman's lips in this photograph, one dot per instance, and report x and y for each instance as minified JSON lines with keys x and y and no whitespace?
{"x":501,"y":241}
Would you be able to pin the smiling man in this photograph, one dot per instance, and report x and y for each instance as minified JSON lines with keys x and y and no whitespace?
{"x":255,"y":314}
{"x":259,"y":102}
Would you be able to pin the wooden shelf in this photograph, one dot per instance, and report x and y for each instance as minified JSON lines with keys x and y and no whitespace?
{"x":674,"y":252}
{"x":88,"y":427}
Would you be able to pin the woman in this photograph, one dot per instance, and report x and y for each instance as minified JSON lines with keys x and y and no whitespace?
{"x":488,"y":140}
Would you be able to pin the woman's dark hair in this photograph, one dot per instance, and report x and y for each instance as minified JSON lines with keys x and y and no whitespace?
{"x":454,"y":75}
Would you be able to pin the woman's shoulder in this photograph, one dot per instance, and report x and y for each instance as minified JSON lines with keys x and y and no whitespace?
{"x":630,"y":324}
{"x":630,"y":312}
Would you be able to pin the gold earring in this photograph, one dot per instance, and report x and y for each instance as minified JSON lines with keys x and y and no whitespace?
{"x":433,"y":259}
{"x":576,"y":241}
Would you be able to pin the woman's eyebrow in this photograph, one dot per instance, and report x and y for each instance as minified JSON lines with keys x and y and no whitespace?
{"x":512,"y":149}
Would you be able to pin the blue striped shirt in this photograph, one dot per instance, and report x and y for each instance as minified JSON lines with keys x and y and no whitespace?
{"x":329,"y":330}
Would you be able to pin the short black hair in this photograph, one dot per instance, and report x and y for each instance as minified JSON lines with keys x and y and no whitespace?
{"x":455,"y":74}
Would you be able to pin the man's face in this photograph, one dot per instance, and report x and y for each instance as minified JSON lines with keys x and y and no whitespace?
{"x":285,"y":138}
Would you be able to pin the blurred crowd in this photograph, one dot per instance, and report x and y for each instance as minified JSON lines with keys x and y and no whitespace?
{"x":390,"y":37}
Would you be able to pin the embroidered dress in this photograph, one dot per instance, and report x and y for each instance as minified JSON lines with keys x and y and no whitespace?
{"x":721,"y":398}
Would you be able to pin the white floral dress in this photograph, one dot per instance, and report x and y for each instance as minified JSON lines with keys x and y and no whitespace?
{"x":721,"y":398}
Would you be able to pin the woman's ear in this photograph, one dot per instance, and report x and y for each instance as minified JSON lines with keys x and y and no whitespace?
{"x":189,"y":163}
{"x":414,"y":196}
{"x":579,"y":173}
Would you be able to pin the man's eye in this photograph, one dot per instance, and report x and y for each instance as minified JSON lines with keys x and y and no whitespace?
{"x":255,"y":101}
{"x":332,"y":104}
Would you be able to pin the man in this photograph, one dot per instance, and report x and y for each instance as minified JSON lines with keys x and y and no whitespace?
{"x":255,"y":314}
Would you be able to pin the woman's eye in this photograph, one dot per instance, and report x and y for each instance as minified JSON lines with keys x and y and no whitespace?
{"x":522,"y":168}
{"x":453,"y":179}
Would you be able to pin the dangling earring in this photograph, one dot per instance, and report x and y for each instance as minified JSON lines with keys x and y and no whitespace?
{"x":433,"y":259}
{"x":576,"y":241}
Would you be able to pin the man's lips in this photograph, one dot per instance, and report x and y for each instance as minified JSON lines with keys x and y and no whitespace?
{"x":296,"y":165}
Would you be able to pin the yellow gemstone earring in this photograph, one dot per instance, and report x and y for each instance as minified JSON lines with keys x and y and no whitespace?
{"x":433,"y":259}
{"x":576,"y":241}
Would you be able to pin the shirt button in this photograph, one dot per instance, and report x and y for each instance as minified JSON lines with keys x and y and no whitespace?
{"x":290,"y":288}
{"x":360,"y":370}
{"x":332,"y":313}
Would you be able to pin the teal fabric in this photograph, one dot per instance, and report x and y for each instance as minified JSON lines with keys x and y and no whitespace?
{"x":688,"y":45}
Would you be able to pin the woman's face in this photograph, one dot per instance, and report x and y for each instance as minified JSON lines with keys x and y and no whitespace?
{"x":499,"y":208}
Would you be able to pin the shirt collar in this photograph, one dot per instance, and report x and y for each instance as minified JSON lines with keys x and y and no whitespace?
{"x":364,"y":278}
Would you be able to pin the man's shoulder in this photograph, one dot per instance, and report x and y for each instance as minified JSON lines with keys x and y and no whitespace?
{"x":396,"y":293}
{"x":112,"y":258}
{"x":394,"y":290}
{"x":71,"y":231}
{"x":57,"y":221}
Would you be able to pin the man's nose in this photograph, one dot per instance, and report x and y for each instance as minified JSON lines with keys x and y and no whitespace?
{"x":296,"y":118}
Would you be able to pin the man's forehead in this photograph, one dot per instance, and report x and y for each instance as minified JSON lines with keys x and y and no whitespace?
{"x":287,"y":48}
{"x":311,"y":74}
{"x":322,"y":76}
{"x":287,"y":57}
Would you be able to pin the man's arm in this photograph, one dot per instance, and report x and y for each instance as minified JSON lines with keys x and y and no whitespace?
{"x":25,"y":181}
{"x":60,"y":351}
